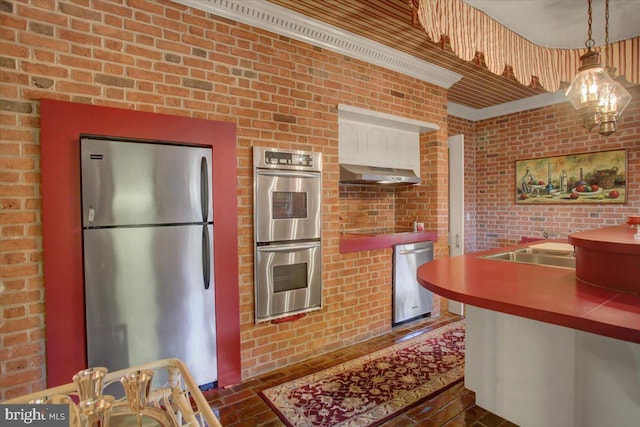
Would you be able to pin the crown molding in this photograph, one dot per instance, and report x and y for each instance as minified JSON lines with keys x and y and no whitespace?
{"x":361,"y":115}
{"x":524,"y":104}
{"x":279,"y":20}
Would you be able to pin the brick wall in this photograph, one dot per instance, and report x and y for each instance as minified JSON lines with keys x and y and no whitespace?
{"x":367,"y":207}
{"x":549,"y":131}
{"x":162,"y":57}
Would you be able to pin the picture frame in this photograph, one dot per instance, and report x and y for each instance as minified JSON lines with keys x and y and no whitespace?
{"x":592,"y":178}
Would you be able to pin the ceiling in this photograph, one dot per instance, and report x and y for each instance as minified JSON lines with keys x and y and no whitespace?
{"x":389,"y":22}
{"x":563,"y":23}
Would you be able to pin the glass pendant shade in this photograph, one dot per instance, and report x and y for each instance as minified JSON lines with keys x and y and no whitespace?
{"x":598,"y":98}
{"x":614,"y":98}
{"x":584,"y":90}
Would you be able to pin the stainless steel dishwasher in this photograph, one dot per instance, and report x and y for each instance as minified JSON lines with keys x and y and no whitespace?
{"x":410,"y":300}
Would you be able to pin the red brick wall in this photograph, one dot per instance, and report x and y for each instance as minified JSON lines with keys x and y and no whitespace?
{"x":163,"y":57}
{"x":549,"y":131}
{"x":367,"y":207}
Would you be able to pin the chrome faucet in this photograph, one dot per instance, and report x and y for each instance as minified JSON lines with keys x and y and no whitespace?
{"x":551,"y":234}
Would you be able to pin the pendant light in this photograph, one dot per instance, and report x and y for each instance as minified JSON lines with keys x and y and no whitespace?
{"x":614,"y":97}
{"x":598,"y":98}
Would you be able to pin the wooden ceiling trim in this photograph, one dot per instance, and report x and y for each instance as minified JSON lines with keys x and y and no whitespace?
{"x":468,"y":93}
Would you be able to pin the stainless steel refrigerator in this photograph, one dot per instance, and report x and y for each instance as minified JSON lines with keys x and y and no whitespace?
{"x":148,"y":255}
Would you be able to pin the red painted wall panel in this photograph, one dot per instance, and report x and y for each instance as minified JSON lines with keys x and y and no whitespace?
{"x":61,"y":125}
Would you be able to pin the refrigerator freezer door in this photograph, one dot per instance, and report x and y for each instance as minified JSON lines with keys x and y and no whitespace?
{"x":146,"y":297}
{"x":133,"y":183}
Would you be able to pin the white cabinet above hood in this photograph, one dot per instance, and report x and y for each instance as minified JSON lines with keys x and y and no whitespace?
{"x":377,"y":148}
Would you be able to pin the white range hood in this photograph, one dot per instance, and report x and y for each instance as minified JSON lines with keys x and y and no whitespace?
{"x":376,"y":175}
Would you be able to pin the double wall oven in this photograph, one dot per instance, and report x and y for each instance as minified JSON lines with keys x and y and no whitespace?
{"x":287,"y":231}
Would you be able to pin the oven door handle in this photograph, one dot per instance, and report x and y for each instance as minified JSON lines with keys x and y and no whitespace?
{"x":289,"y":248}
{"x":292,"y":174}
{"x":415,"y":251}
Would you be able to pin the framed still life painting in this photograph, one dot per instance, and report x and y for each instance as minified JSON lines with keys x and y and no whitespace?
{"x":598,"y":177}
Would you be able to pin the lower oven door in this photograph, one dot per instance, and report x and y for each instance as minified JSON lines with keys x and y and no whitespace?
{"x":288,"y":279}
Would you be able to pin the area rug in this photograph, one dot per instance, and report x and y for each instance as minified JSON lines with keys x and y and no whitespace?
{"x":371,"y":389}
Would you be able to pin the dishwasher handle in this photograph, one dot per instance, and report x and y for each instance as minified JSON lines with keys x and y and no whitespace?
{"x":414,"y":251}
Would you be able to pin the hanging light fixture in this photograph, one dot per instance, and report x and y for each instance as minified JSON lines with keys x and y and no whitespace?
{"x":614,"y":98}
{"x":598,"y":98}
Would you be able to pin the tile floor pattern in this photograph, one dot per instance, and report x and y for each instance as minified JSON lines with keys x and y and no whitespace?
{"x":241,"y":406}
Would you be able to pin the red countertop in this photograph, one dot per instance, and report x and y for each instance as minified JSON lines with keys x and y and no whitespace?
{"x":356,"y":242}
{"x":548,"y":294}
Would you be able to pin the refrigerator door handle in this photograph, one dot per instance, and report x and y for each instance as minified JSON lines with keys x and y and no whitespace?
{"x":204,"y":189}
{"x":206,"y":257}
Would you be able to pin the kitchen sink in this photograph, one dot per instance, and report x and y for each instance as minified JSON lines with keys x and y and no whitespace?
{"x":537,"y":257}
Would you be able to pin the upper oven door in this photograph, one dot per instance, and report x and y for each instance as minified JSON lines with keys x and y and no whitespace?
{"x":287,"y":205}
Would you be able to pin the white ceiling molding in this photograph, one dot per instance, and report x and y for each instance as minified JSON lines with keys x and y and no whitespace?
{"x":525,"y":104}
{"x":279,"y":20}
{"x":361,"y":115}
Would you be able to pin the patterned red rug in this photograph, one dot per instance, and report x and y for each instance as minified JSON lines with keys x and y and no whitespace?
{"x":371,"y":389}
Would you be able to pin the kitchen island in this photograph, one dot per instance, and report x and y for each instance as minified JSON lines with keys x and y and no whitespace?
{"x":543,"y":348}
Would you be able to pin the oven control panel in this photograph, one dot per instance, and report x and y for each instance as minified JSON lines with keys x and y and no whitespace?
{"x":280,"y":158}
{"x":276,"y":158}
